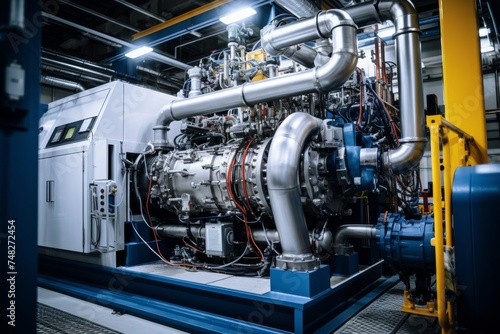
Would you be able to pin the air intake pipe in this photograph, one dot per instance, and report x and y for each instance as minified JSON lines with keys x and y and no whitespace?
{"x":284,"y":190}
{"x":407,"y":36}
{"x":333,"y":23}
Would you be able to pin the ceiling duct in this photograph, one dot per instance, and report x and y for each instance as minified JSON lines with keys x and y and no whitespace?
{"x":61,"y":83}
{"x":299,"y":8}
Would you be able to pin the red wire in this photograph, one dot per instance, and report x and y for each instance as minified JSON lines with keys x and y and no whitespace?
{"x":250,"y":239}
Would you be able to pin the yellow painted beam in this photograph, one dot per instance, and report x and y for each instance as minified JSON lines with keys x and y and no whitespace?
{"x":462,"y":75}
{"x":433,"y":123}
{"x":180,"y":18}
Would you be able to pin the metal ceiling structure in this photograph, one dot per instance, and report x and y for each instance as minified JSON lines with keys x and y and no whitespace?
{"x":85,"y":41}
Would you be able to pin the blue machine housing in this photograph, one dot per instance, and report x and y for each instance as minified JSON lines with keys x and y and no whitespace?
{"x":475,"y":199}
{"x":406,"y":244}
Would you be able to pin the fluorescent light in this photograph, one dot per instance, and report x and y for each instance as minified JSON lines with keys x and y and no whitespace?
{"x":138,"y":52}
{"x":238,"y":15}
{"x":387,"y":32}
{"x":483,"y":32}
{"x":196,"y":33}
{"x":487,"y":49}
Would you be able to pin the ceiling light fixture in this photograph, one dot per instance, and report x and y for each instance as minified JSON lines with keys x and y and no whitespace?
{"x":139,"y":52}
{"x":196,"y":33}
{"x":238,"y":15}
{"x":483,"y":32}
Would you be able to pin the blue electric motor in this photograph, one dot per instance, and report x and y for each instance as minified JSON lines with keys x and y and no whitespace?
{"x":406,"y":244}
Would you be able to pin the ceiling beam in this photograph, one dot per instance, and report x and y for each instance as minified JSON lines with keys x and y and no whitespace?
{"x":180,"y":18}
{"x":153,"y":55}
{"x":141,"y":10}
{"x":102,"y":16}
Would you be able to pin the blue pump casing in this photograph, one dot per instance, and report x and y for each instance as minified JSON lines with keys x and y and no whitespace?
{"x":406,"y":244}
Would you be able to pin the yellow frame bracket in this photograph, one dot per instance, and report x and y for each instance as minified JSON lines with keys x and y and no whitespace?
{"x":456,"y":147}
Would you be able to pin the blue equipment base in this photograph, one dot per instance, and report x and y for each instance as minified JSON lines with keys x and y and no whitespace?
{"x":345,"y":265}
{"x":306,"y":284}
{"x":202,"y":308}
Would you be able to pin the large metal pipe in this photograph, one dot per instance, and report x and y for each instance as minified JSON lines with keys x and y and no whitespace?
{"x":407,"y":36}
{"x":324,"y":78}
{"x":73,"y":74}
{"x":83,"y":63}
{"x":77,"y":68}
{"x":284,"y":190}
{"x":323,"y":239}
{"x":180,"y":231}
{"x":343,"y":233}
{"x":302,"y":54}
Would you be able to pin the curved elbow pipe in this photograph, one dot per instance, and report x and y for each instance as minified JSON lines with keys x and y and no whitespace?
{"x":333,"y":23}
{"x":407,"y":35}
{"x":284,"y":190}
{"x":353,"y":231}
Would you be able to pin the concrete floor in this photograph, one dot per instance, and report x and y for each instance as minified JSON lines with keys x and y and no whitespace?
{"x":103,"y":316}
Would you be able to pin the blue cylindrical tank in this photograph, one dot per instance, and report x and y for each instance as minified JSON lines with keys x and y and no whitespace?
{"x":406,"y":244}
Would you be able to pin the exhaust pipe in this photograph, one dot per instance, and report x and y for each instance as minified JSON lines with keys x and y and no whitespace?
{"x":407,"y":36}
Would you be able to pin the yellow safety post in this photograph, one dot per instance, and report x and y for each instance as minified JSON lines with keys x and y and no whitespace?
{"x":456,"y":144}
{"x":434,"y":126}
{"x":462,"y":75}
{"x":447,"y":179}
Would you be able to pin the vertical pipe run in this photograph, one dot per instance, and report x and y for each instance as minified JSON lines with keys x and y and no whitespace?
{"x":284,"y":190}
{"x":407,"y":36}
{"x":16,"y":17}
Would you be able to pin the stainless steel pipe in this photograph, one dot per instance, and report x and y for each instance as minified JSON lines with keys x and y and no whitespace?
{"x":332,"y":23}
{"x":407,"y":36}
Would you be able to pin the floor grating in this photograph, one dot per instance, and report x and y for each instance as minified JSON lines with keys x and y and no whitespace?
{"x":53,"y":321}
{"x":384,"y":316}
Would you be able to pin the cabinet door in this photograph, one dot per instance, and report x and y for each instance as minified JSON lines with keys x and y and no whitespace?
{"x":61,"y":220}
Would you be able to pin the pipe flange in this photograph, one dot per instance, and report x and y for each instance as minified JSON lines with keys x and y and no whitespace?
{"x":297,"y":263}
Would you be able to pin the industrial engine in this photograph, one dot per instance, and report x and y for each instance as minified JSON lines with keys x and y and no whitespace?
{"x":294,"y":159}
{"x":273,"y":158}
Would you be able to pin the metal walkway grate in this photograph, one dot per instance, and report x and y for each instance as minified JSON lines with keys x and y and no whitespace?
{"x":51,"y":321}
{"x":384,"y":316}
